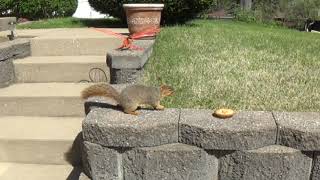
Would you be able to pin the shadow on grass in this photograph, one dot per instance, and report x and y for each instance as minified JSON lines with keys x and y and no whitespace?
{"x":190,"y":23}
{"x":70,"y":22}
{"x":117,"y":23}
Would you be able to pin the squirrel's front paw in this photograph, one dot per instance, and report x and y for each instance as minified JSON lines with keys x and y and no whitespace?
{"x":159,"y":107}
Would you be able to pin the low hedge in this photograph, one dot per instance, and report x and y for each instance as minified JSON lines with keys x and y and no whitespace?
{"x":289,"y":9}
{"x":291,"y":13}
{"x":175,"y":11}
{"x":38,"y":9}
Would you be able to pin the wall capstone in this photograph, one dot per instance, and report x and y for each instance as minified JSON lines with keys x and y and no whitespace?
{"x":246,"y":130}
{"x":117,"y":129}
{"x":299,"y":130}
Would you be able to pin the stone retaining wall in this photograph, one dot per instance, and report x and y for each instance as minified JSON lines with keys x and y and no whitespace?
{"x":188,"y":144}
{"x":10,"y":50}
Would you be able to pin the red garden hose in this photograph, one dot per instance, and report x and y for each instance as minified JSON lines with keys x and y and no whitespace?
{"x":127,"y":40}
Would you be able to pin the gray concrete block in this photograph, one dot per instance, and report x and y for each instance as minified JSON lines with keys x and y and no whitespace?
{"x":131,"y":59}
{"x":6,"y":72}
{"x":125,"y":76}
{"x":245,"y":130}
{"x":316,"y":166}
{"x":299,"y":130}
{"x":267,"y":163}
{"x":171,"y":162}
{"x":104,"y":163}
{"x":114,"y":128}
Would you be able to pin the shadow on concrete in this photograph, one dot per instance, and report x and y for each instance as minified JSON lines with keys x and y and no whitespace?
{"x":89,"y":105}
{"x":218,"y":153}
{"x":75,"y":174}
{"x":74,"y":157}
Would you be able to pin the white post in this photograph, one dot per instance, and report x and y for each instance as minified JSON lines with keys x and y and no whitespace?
{"x":85,"y":11}
{"x":246,"y":4}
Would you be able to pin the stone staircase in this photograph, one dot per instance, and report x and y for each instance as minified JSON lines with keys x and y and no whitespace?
{"x":41,"y":115}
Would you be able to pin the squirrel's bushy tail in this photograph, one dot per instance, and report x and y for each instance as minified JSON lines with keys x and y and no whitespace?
{"x":100,"y":90}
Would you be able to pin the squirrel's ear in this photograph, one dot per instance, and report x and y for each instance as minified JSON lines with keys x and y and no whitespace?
{"x":163,"y":86}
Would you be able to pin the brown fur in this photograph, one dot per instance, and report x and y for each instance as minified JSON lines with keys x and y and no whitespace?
{"x":104,"y":90}
{"x":132,"y":96}
{"x":166,"y":90}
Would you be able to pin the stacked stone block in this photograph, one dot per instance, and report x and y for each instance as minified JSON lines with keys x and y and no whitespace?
{"x":270,"y":162}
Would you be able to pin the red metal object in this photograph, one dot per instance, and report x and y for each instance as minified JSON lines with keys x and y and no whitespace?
{"x":150,"y":32}
{"x":127,"y":41}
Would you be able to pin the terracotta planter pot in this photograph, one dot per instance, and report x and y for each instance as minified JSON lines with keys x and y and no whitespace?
{"x":143,"y":16}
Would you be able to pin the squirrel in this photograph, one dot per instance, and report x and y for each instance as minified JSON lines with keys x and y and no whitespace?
{"x":132,"y":96}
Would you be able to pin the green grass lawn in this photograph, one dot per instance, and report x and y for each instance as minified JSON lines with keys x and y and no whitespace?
{"x":70,"y":22}
{"x":214,"y":64}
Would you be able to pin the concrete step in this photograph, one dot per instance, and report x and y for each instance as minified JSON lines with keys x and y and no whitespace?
{"x":42,"y":99}
{"x":13,"y":171}
{"x":75,"y":42}
{"x":40,"y":140}
{"x":40,"y":69}
{"x":73,"y":47}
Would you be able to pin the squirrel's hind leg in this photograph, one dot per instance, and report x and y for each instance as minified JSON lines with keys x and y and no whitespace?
{"x":131,"y":110}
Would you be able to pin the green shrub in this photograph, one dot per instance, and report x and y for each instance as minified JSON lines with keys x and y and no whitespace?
{"x":293,"y":12}
{"x":300,"y":9}
{"x":37,"y":9}
{"x":303,"y":9}
{"x":175,"y":11}
{"x":245,"y":15}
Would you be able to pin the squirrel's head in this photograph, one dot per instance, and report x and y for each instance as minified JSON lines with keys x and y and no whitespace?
{"x":166,"y":90}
